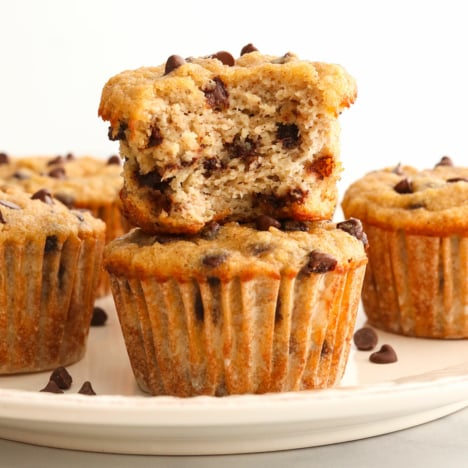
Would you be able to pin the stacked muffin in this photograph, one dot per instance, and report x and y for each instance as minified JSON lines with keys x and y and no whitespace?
{"x":236,"y":281}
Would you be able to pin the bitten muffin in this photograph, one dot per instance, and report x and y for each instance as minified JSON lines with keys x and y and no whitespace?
{"x":79,"y":182}
{"x":416,"y":282}
{"x":238,"y":309}
{"x":215,"y":138}
{"x":51,"y":259}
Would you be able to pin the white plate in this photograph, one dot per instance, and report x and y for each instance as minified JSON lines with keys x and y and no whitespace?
{"x":429,"y":380}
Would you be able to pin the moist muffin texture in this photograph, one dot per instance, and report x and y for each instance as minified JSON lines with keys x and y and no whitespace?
{"x":416,"y":282}
{"x":51,"y":259}
{"x":215,"y":138}
{"x":236,"y":309}
{"x":81,"y":182}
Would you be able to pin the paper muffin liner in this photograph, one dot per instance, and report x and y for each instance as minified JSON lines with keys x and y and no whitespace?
{"x":417,"y":285}
{"x":47,"y":292}
{"x":209,"y":337}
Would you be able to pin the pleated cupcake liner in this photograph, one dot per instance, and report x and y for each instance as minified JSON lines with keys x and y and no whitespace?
{"x":417,"y":285}
{"x":47,"y":292}
{"x":208,"y":337}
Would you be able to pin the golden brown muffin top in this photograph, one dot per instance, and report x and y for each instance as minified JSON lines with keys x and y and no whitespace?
{"x":233,"y":250}
{"x":427,"y":202}
{"x":27,"y":216}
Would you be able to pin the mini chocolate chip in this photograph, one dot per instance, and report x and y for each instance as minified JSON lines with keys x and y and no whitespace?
{"x":119,"y":134}
{"x":20,"y":175}
{"x":365,"y":339}
{"x":248,"y":48}
{"x":4,"y":159}
{"x":385,"y":355}
{"x":150,"y":179}
{"x":67,"y":199}
{"x":87,"y":389}
{"x":99,"y":317}
{"x":9,"y":204}
{"x":264,"y":222}
{"x":62,"y":378}
{"x":57,"y":173}
{"x":173,"y":62}
{"x":2,"y":219}
{"x":44,"y":196}
{"x":457,"y":179}
{"x":70,"y":157}
{"x":354,"y":227}
{"x":293,"y":225}
{"x":319,"y":262}
{"x":445,"y":161}
{"x":288,"y":134}
{"x":51,"y":244}
{"x":56,"y":160}
{"x":404,"y":186}
{"x":245,"y":149}
{"x":216,"y":95}
{"x":114,"y":159}
{"x":210,"y":231}
{"x":155,"y":138}
{"x":224,"y":57}
{"x":79,"y":216}
{"x":398,"y":169}
{"x":52,"y":387}
{"x":416,"y":206}
{"x":215,"y":259}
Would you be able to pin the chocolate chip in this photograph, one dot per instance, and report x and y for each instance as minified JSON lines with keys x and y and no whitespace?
{"x":67,"y":199}
{"x":293,"y":225}
{"x":354,"y":227}
{"x":216,"y":95}
{"x":404,"y":186}
{"x":245,"y":149}
{"x":248,"y":48}
{"x":260,"y":248}
{"x":398,"y":169}
{"x":87,"y":389}
{"x":215,"y":259}
{"x":288,"y":134}
{"x":365,"y":339}
{"x":319,"y":262}
{"x":224,"y":57}
{"x":119,"y":134}
{"x":62,"y":378}
{"x":385,"y":355}
{"x":173,"y":62}
{"x":52,"y":387}
{"x":445,"y":161}
{"x":57,"y":173}
{"x":151,"y":179}
{"x":4,"y":159}
{"x":20,"y":175}
{"x":114,"y":159}
{"x":210,"y":230}
{"x":9,"y":204}
{"x":56,"y":160}
{"x":156,"y":138}
{"x":99,"y":317}
{"x":44,"y":196}
{"x":416,"y":206}
{"x":264,"y":222}
{"x":51,"y":244}
{"x":457,"y":179}
{"x":70,"y":157}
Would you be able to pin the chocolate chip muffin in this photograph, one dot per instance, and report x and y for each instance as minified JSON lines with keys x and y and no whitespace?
{"x":51,"y":259}
{"x":218,"y":138}
{"x":238,"y":308}
{"x":79,"y":182}
{"x":417,"y":223}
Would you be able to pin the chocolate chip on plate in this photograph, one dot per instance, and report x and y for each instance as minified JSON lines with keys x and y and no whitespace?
{"x":99,"y":317}
{"x":385,"y":355}
{"x":51,"y":387}
{"x":365,"y":339}
{"x":87,"y":389}
{"x":62,"y":378}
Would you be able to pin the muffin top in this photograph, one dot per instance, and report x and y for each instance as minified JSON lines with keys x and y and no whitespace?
{"x":245,"y":251}
{"x":76,"y":181}
{"x":38,"y":215}
{"x":426,"y":202}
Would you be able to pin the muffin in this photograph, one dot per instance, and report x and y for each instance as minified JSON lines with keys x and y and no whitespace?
{"x":238,"y":308}
{"x":51,"y":259}
{"x":78,"y":182}
{"x":214,"y":138}
{"x":416,"y":282}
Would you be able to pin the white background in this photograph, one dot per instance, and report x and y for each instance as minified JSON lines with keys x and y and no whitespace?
{"x":409,"y":58}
